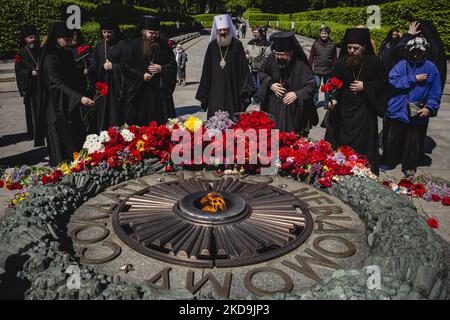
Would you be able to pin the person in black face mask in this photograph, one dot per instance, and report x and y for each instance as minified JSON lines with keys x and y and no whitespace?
{"x":288,"y":85}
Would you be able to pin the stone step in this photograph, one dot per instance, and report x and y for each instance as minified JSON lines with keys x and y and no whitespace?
{"x":7,"y":77}
{"x":8,"y":87}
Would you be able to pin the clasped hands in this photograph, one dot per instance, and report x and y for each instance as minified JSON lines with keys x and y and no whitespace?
{"x":280,"y":92}
{"x":152,"y":70}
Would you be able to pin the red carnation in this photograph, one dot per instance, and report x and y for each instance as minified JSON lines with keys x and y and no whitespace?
{"x":446,"y":201}
{"x":14,"y":186}
{"x":336,"y":82}
{"x":418,"y":190}
{"x":433,"y":223}
{"x":17,"y":58}
{"x":102,"y":88}
{"x":436,"y":198}
{"x":406,"y":183}
{"x":83,"y":49}
{"x":326,"y":87}
{"x":386,"y":183}
{"x":2,"y":183}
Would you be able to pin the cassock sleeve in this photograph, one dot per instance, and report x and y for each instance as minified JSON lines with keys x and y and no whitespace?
{"x":117,"y":72}
{"x":246,"y":84}
{"x":127,"y":63}
{"x":169,"y":71}
{"x":308,"y":83}
{"x":377,"y":89}
{"x":265,"y":80}
{"x":203,"y":88}
{"x":22,"y":76}
{"x":69,"y":98}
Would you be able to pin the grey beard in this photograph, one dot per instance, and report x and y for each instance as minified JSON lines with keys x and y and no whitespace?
{"x":224,"y":42}
{"x":32,"y":45}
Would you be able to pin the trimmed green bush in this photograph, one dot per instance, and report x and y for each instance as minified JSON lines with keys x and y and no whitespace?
{"x":250,"y":11}
{"x":41,"y":13}
{"x":262,"y":17}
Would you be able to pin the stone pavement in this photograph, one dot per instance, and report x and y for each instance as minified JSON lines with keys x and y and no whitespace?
{"x":15,"y":149}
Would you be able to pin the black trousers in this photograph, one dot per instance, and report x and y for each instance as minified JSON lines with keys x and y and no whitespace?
{"x":403,"y":143}
{"x":30,"y":104}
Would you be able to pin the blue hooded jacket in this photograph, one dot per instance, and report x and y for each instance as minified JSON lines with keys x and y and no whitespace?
{"x":408,"y":89}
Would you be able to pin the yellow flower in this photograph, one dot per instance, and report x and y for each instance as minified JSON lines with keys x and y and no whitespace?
{"x":65,"y":168}
{"x":193,"y":124}
{"x":76,"y":155}
{"x":325,"y":168}
{"x":140,"y":146}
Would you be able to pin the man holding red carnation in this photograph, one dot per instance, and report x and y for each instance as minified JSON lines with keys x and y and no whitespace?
{"x":352,"y":118}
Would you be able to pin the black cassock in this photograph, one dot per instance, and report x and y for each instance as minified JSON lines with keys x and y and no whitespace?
{"x":110,"y":110}
{"x":298,"y":78}
{"x":353,"y":122}
{"x":224,"y":89}
{"x":27,"y":83}
{"x":149,"y":100}
{"x":59,"y":106}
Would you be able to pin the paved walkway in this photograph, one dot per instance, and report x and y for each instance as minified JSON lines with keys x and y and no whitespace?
{"x":15,"y":149}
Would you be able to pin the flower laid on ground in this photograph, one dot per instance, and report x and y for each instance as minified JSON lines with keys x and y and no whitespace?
{"x":18,"y":177}
{"x":425,"y":187}
{"x":18,"y":197}
{"x":193,"y":124}
{"x":433,"y":223}
{"x":174,"y":124}
{"x":311,"y":161}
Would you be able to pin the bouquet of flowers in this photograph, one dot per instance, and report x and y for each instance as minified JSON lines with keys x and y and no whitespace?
{"x":331,"y":88}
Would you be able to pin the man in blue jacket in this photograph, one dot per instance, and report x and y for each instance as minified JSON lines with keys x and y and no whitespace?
{"x":417,"y":94}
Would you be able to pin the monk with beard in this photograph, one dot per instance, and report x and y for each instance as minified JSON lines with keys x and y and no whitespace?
{"x":352,"y":118}
{"x":150,"y":70}
{"x":288,"y":85}
{"x":225,"y":81}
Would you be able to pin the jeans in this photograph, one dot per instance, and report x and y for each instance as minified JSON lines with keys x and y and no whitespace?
{"x":318,"y":78}
{"x":255,"y":79}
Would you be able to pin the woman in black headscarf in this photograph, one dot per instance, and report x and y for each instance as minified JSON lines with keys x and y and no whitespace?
{"x":390,"y":42}
{"x":60,"y":97}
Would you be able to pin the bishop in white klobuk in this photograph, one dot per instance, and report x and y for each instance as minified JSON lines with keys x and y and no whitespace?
{"x":225,"y":82}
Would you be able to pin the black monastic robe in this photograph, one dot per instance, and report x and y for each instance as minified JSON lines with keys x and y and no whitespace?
{"x":224,"y":89}
{"x":27,"y":83}
{"x":110,"y":110}
{"x":60,"y":99}
{"x":149,"y":100}
{"x":353,"y":122}
{"x":297,"y":77}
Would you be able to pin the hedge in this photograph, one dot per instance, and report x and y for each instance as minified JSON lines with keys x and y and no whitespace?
{"x":250,"y":11}
{"x":41,"y":13}
{"x":393,"y":14}
{"x":205,"y":19}
{"x":261,"y":17}
{"x":91,"y":30}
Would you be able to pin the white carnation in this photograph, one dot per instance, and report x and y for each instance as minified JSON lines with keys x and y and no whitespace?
{"x":104,"y":136}
{"x":93,"y":144}
{"x":127,"y":135}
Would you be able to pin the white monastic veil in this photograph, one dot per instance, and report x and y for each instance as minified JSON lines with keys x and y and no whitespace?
{"x":222,"y":21}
